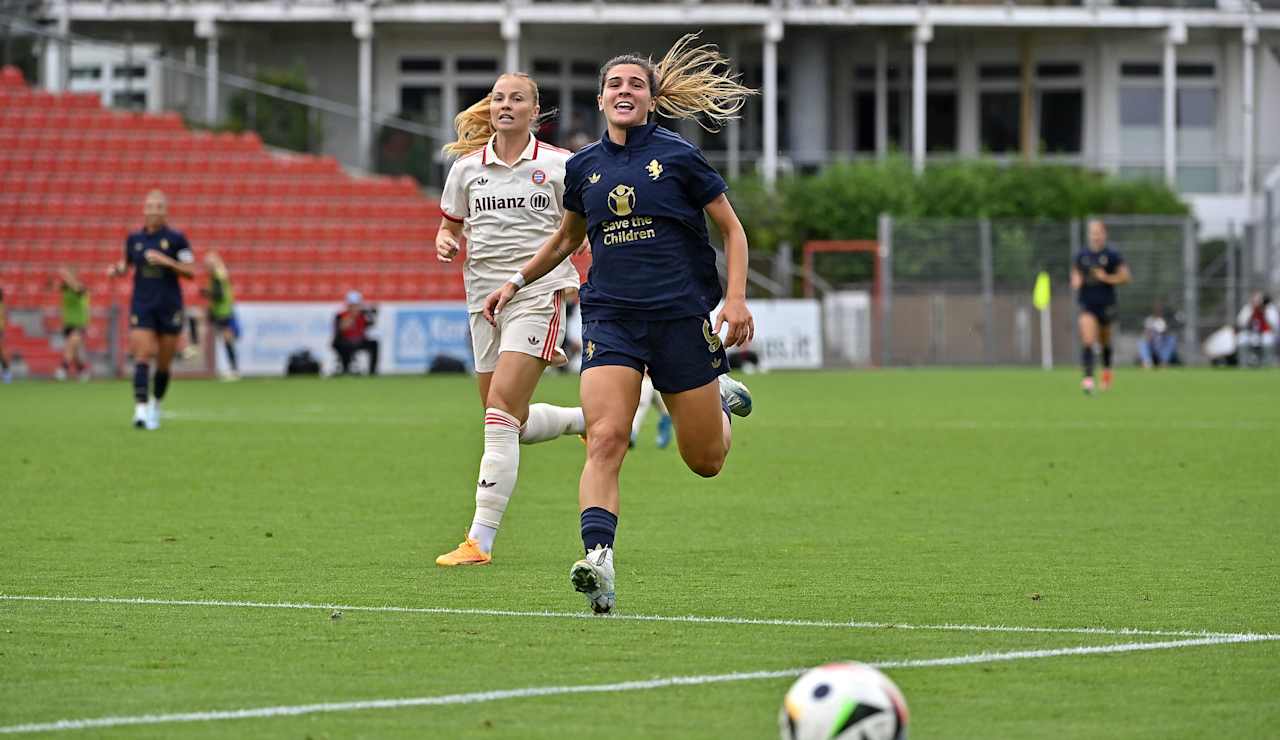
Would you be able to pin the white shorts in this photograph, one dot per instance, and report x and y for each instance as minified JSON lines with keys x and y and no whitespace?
{"x":532,"y":325}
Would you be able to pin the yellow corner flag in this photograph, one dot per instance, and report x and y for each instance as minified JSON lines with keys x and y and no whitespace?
{"x":1040,"y":296}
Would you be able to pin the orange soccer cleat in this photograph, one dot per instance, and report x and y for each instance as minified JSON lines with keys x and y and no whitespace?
{"x":468,"y":553}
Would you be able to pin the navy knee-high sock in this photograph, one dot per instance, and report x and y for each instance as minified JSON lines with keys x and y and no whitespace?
{"x":1087,"y":359}
{"x":1106,"y":356}
{"x":160,"y":384}
{"x":598,"y":528}
{"x":141,"y":377}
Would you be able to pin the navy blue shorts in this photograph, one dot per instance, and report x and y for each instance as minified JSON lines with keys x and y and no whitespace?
{"x":161,"y":318}
{"x":680,"y":354}
{"x":1105,"y":313}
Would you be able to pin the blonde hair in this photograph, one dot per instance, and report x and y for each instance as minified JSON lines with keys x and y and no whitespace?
{"x":475,"y":125}
{"x":691,"y":82}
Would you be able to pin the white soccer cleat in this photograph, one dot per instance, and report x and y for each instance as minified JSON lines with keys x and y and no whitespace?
{"x":60,"y":374}
{"x":140,"y":417}
{"x":153,"y":416}
{"x":736,"y":396}
{"x":592,"y":576}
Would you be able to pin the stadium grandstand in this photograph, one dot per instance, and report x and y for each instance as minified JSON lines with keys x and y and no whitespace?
{"x":1186,"y":92}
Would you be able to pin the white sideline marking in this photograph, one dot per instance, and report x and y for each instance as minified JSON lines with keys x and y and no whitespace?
{"x":687,"y":619}
{"x":537,"y":691}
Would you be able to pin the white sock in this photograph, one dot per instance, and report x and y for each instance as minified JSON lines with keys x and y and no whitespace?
{"x":646,"y":399}
{"x":498,"y":468}
{"x":139,"y":408}
{"x":548,"y":422}
{"x":661,"y":404}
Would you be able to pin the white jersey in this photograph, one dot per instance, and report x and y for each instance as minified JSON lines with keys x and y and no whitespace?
{"x":508,"y":213}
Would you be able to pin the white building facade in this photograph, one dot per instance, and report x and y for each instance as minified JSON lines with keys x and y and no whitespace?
{"x":1187,"y":95}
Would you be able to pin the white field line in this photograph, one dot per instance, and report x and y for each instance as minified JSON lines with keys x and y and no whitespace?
{"x":687,"y":619}
{"x":539,"y":691}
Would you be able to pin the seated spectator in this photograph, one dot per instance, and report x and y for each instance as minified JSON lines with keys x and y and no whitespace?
{"x":1256,"y":326}
{"x":1159,"y":344}
{"x":351,"y":333}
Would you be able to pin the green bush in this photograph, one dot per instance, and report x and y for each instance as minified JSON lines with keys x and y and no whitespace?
{"x":279,"y":123}
{"x":844,"y":201}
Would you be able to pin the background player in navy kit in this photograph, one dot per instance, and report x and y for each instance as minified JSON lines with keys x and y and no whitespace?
{"x":158,"y":256}
{"x":642,"y":193}
{"x":1095,"y":272}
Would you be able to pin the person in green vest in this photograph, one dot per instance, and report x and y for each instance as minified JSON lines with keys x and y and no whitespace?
{"x":75,"y":318}
{"x":222,"y":309}
{"x":6,"y":375}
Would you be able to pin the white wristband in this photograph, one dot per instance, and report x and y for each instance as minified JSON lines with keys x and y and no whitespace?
{"x":516,"y":279}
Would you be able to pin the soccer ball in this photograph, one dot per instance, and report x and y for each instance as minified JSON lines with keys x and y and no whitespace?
{"x":843,"y":701}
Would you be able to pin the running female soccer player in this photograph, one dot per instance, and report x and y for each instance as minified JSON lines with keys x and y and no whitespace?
{"x":158,"y":255}
{"x":1095,"y":273}
{"x":641,"y":193}
{"x":505,"y":195}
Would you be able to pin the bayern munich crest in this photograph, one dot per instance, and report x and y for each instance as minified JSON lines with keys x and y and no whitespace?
{"x":539,"y":177}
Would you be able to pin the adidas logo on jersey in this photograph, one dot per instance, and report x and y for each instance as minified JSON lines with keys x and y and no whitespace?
{"x":482,"y":181}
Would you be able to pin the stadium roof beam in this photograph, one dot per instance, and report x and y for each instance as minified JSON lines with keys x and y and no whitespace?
{"x":1173,"y":37}
{"x":681,"y":14}
{"x":207,"y":29}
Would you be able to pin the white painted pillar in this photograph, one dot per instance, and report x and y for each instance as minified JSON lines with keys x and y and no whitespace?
{"x":769,"y":157}
{"x":922,"y":36}
{"x":511,"y":37}
{"x":733,"y":130}
{"x":1176,"y":34}
{"x":362,"y":28}
{"x":63,"y":77}
{"x":207,"y":29}
{"x":1249,"y":134}
{"x":882,"y":99}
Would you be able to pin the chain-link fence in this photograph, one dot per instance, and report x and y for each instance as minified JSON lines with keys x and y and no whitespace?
{"x":959,"y":291}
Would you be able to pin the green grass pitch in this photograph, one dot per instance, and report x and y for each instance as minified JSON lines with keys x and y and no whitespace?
{"x":983,"y":497}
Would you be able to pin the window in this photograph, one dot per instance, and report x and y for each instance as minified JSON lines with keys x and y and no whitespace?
{"x":1141,"y":106}
{"x":422,"y":103}
{"x":1061,"y":121}
{"x":477,"y":64}
{"x":128,"y":73}
{"x":421,"y":64}
{"x":546,"y":66}
{"x":941,"y":110}
{"x":582,"y":68}
{"x":130,"y":100}
{"x":1000,"y":121}
{"x":1057,"y":70}
{"x":86,"y":73}
{"x":1197,"y":107}
{"x":999,"y":72}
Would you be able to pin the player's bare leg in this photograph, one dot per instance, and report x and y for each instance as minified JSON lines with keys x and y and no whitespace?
{"x":166,"y":348}
{"x":1088,"y":324}
{"x":703,"y":432}
{"x":610,"y":396}
{"x":509,"y":422}
{"x":1104,"y":338}
{"x":143,"y":345}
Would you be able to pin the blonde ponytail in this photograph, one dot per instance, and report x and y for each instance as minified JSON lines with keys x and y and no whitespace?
{"x":690,"y":82}
{"x":474,"y":125}
{"x":696,"y":82}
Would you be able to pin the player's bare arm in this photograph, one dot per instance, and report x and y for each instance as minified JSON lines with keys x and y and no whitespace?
{"x":567,"y":239}
{"x":735,"y":312}
{"x":447,"y":238}
{"x":1077,"y":278}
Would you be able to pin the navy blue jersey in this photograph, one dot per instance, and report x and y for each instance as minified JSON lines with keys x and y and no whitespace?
{"x":651,"y":257}
{"x":1094,"y":292}
{"x":153,"y":284}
